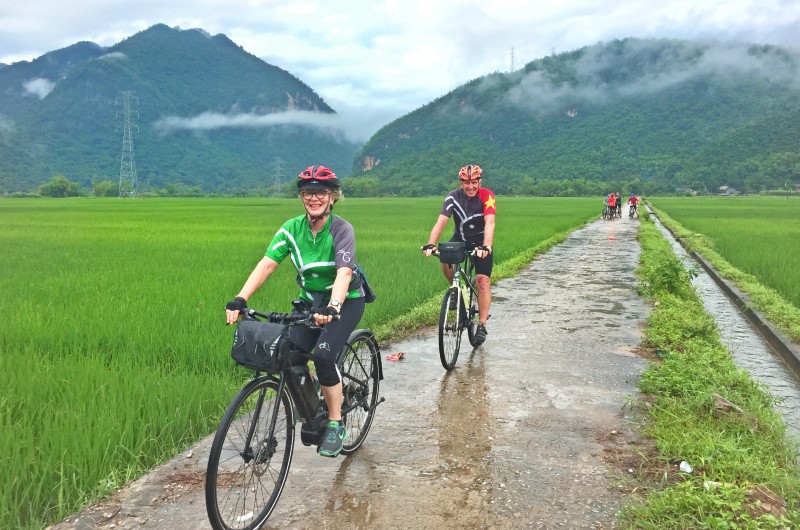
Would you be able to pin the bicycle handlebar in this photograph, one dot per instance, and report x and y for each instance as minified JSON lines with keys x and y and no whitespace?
{"x":435,"y":251}
{"x":289,"y":319}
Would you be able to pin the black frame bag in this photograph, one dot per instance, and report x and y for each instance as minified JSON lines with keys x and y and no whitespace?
{"x":255,"y":345}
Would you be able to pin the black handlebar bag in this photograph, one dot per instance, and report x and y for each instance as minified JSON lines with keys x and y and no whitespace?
{"x":256,"y":345}
{"x":452,"y":252}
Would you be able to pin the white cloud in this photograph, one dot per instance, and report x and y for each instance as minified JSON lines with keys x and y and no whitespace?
{"x":354,"y":129}
{"x":39,"y":87}
{"x":113,"y":56}
{"x":392,"y":54}
{"x":674,"y":65}
{"x":6,"y":127}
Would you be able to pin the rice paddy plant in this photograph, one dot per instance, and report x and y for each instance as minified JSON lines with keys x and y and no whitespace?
{"x":113,"y":349}
{"x":758,"y":235}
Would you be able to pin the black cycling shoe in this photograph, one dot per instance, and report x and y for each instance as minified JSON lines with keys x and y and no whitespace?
{"x":480,"y":334}
{"x":333,"y":440}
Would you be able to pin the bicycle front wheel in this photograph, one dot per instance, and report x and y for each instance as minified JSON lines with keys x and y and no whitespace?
{"x":250,"y":457}
{"x":473,"y":318}
{"x":450,"y":328}
{"x":360,"y":368}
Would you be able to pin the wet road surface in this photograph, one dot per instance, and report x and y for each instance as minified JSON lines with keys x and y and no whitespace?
{"x":516,"y":436}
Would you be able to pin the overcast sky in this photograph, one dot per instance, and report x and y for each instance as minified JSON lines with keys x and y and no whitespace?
{"x":379,"y":59}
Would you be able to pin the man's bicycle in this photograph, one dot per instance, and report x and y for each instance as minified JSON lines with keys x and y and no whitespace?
{"x":460,"y":304}
{"x":633,"y":210}
{"x":252,"y":450}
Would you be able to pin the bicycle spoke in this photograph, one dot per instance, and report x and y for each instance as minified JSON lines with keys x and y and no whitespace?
{"x":450,"y":329}
{"x":244,"y":479}
{"x":360,"y":385}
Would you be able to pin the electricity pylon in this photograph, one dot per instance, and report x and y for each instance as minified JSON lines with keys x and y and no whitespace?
{"x":128,"y":185}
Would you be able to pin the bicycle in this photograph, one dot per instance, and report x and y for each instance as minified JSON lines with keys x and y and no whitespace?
{"x":455,"y":315}
{"x":607,"y":212}
{"x":633,"y":210}
{"x":252,"y":449}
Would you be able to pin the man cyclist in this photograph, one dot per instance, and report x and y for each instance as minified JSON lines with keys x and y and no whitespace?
{"x":473,"y":210}
{"x":633,"y":204}
{"x":322,"y":248}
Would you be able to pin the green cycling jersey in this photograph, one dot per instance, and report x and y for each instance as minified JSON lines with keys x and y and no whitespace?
{"x":316,"y":256}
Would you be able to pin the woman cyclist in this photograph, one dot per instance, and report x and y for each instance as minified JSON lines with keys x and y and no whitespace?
{"x":322,"y":247}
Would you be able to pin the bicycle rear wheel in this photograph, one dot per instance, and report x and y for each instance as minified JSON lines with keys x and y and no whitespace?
{"x":244,"y":480}
{"x":450,"y":328}
{"x":360,"y":369}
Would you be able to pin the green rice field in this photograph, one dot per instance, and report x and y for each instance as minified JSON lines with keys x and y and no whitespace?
{"x":113,"y":347}
{"x":757,"y":235}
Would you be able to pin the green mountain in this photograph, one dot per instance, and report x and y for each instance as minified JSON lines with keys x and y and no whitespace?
{"x":631,"y":115}
{"x":203,"y":113}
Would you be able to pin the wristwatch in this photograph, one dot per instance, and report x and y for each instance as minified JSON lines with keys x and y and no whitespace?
{"x":335,"y":303}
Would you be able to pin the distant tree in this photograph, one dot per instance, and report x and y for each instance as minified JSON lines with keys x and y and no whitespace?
{"x":106,"y":188}
{"x":362,"y":187}
{"x":60,"y":186}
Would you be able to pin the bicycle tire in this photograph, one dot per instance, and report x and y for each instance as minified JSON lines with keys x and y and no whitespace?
{"x":450,"y":329}
{"x":243,"y":484}
{"x":473,"y":318}
{"x":360,"y":371}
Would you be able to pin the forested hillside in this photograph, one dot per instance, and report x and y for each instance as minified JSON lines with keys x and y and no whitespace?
{"x":203,"y":116}
{"x":632,"y":115}
{"x":640,"y":115}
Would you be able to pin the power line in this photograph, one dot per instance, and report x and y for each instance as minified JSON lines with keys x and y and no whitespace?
{"x":128,"y":185}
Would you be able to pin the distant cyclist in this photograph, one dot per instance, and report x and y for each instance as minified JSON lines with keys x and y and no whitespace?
{"x":473,"y":210}
{"x":633,"y":204}
{"x":612,"y":204}
{"x":322,"y":247}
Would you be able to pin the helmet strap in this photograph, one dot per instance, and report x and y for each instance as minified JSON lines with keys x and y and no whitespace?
{"x":312,"y":219}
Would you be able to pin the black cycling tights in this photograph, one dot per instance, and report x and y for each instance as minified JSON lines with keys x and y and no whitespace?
{"x":330,"y":340}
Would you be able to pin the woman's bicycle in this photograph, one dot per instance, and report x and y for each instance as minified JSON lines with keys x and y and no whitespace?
{"x":252,"y":450}
{"x":460,"y":304}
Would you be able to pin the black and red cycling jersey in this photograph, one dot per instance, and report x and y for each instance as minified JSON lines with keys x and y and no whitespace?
{"x":468,"y":214}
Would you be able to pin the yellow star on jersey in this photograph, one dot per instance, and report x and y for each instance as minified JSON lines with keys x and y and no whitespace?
{"x":489,"y":202}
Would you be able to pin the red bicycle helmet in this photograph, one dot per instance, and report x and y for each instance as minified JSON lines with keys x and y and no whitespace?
{"x":470,"y":172}
{"x":317,"y":177}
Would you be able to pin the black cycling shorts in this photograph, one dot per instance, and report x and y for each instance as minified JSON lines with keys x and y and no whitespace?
{"x":482,"y":265}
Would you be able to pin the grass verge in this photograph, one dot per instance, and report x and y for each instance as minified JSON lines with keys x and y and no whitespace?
{"x":768,"y":301}
{"x":704,"y":411}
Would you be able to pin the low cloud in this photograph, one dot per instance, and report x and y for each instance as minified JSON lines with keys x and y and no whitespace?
{"x":39,"y":87}
{"x":113,"y":56}
{"x":6,"y":128}
{"x":356,"y":130}
{"x":653,"y":66}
